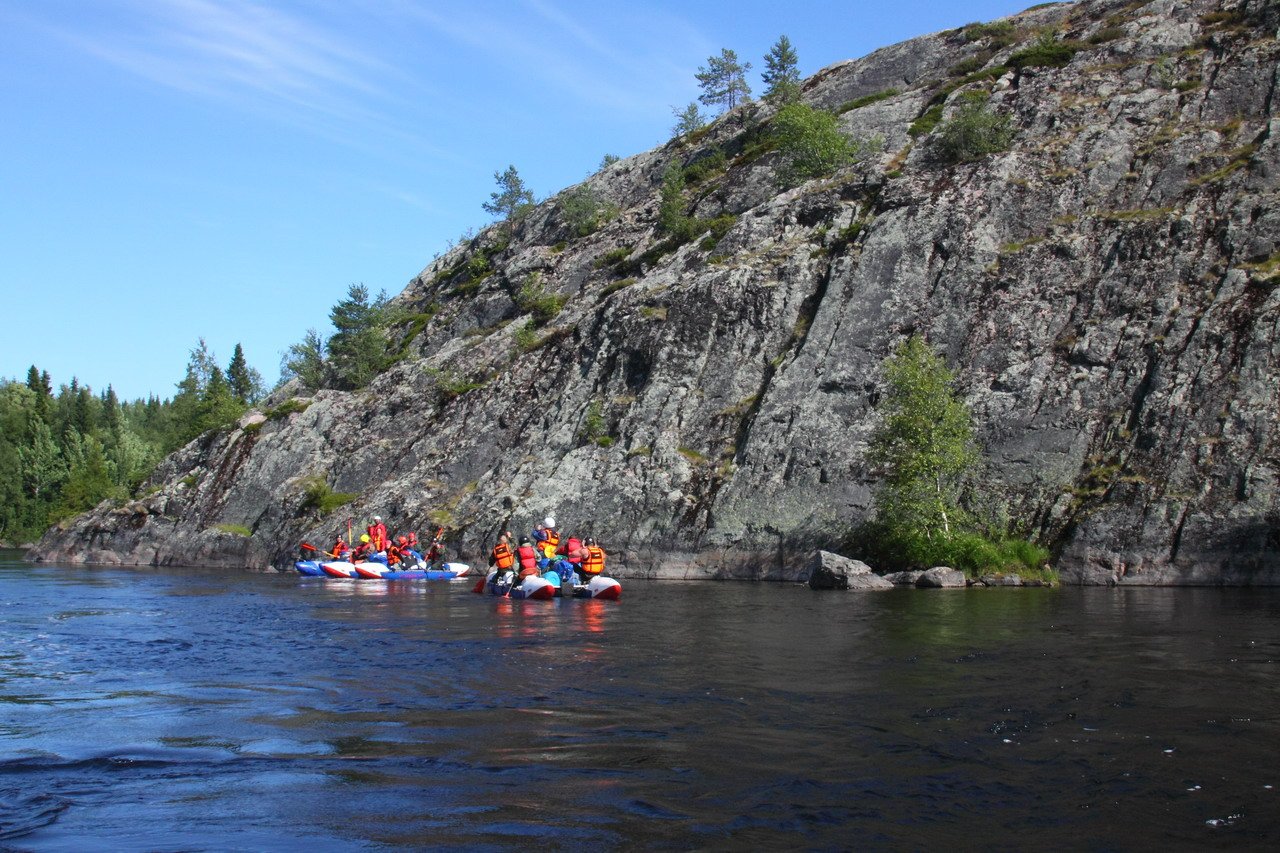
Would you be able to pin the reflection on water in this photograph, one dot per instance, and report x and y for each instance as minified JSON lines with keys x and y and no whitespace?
{"x":203,"y":710}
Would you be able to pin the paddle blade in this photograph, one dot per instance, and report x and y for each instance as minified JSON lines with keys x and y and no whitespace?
{"x":479,"y":587}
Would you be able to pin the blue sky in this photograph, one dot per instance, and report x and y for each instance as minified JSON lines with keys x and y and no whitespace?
{"x":177,"y":169}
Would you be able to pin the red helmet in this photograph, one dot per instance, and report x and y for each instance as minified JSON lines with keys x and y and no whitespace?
{"x":403,"y":540}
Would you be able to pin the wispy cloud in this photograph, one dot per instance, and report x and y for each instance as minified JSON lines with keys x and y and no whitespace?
{"x":623,"y":70}
{"x":231,"y":50}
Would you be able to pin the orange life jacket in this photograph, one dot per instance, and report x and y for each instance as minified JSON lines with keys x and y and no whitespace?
{"x":378,"y":536}
{"x":550,"y":544}
{"x":502,"y":556}
{"x":594,"y":564}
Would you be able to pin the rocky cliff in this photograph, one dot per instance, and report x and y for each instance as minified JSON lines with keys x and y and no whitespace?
{"x":1105,"y":289}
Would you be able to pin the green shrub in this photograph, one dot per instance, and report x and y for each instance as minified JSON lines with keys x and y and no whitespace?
{"x":997,"y":33}
{"x":526,"y":337}
{"x":973,"y":133}
{"x":613,"y":257}
{"x":594,"y":427}
{"x":719,"y":226}
{"x":317,"y":495}
{"x":865,"y":101}
{"x":583,"y":211}
{"x":451,"y":384}
{"x":968,"y":66}
{"x":811,"y":144}
{"x":534,"y":299}
{"x":1046,"y":52}
{"x":288,"y":407}
{"x":234,"y":529}
{"x":927,"y":121}
{"x":1106,"y":34}
{"x":616,"y":286}
{"x":707,"y":166}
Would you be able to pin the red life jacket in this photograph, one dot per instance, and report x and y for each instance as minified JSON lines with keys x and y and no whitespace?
{"x":572,"y":550}
{"x":528,"y":560}
{"x":502,"y":556}
{"x":378,"y":536}
{"x":594,"y":564}
{"x":528,"y":557}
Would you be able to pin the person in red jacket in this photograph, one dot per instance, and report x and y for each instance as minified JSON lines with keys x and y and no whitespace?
{"x":378,"y":534}
{"x":528,"y":558}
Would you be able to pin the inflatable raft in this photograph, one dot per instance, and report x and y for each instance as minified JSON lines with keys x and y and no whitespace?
{"x":547,"y":587}
{"x":379,"y":571}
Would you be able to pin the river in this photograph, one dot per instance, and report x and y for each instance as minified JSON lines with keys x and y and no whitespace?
{"x":191,"y":709}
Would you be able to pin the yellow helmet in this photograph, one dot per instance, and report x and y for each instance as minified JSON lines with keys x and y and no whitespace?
{"x":364,"y":537}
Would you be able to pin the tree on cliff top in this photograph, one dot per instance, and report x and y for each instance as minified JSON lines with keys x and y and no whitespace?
{"x":724,"y":80}
{"x":782,"y":75}
{"x":512,"y":200}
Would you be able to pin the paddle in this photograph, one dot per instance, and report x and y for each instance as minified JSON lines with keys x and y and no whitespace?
{"x":307,"y":547}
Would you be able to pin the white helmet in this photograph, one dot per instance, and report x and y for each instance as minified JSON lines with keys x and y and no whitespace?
{"x":549,"y":521}
{"x":377,"y":518}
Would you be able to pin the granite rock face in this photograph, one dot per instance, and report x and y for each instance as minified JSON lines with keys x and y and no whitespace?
{"x":1105,"y":289}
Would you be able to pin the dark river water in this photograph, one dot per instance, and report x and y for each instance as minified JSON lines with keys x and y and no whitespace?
{"x":199,"y":710}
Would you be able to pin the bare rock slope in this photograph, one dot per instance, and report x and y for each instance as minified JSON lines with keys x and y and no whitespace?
{"x":1106,"y":290}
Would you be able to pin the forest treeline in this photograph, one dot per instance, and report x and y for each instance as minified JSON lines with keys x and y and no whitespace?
{"x":63,"y":452}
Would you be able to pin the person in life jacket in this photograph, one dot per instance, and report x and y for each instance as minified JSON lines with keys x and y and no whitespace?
{"x":394,"y":554}
{"x":550,"y":541}
{"x":378,"y":534}
{"x":528,"y":558}
{"x":407,"y":554}
{"x":593,"y":565}
{"x":435,"y":554}
{"x":413,"y":546}
{"x":339,"y":549}
{"x":361,"y":551}
{"x":502,"y":557}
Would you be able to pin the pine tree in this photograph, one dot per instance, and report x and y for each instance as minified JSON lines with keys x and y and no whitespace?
{"x":688,"y":119}
{"x":305,"y":360}
{"x":724,"y":81}
{"x":245,"y":382}
{"x":358,"y":349}
{"x":512,"y":200}
{"x":671,"y":216}
{"x":781,"y":76}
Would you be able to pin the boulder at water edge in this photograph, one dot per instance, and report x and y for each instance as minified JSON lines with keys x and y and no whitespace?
{"x":832,"y":571}
{"x":941,"y":577}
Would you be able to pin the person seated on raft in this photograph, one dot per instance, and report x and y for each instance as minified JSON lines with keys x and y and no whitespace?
{"x":593,"y":562}
{"x":407,"y":554}
{"x":573,"y":553}
{"x":340,"y":549}
{"x":528,"y":558}
{"x":501,"y":556}
{"x":546,"y":540}
{"x":361,"y":552}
